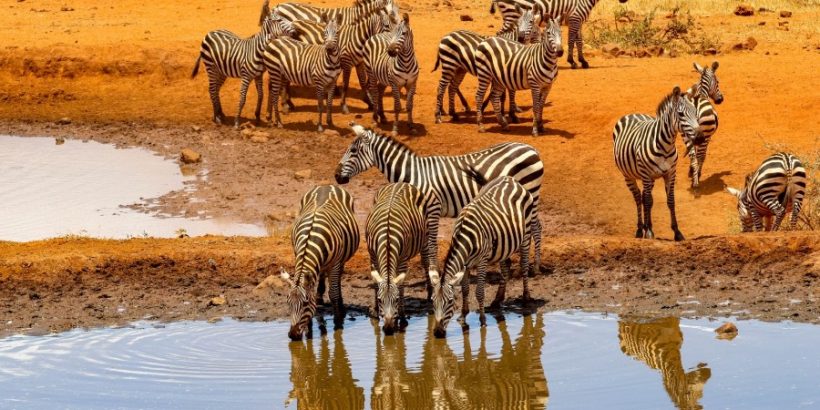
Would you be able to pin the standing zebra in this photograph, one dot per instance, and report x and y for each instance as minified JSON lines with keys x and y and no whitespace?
{"x":391,"y":60}
{"x":456,"y":55}
{"x":226,"y":55}
{"x":455,"y":180}
{"x":645,"y":150}
{"x":573,"y":13}
{"x":508,"y":65}
{"x":291,"y":61}
{"x":402,"y":224}
{"x":777,"y":186}
{"x":490,"y":229}
{"x":349,"y":15}
{"x":324,"y":236}
{"x":707,"y":88}
{"x":352,"y":39}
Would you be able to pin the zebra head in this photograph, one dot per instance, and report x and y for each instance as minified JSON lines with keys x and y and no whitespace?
{"x":708,"y":86}
{"x":743,"y":213}
{"x":387,"y":292}
{"x":402,"y":37}
{"x":274,"y":26}
{"x":359,"y":155}
{"x":551,"y":37}
{"x":525,"y":27}
{"x":302,"y":306}
{"x":379,"y":23}
{"x":331,"y":33}
{"x":444,"y":300}
{"x":687,"y":115}
{"x":392,"y":10}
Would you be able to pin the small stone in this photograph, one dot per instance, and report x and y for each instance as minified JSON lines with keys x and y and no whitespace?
{"x":749,"y":44}
{"x":217,"y":301}
{"x":782,"y":23}
{"x":612,"y":50}
{"x":764,"y":10}
{"x":196,"y":128}
{"x":466,"y":17}
{"x":785,"y":14}
{"x":189,"y":156}
{"x":269,"y":283}
{"x":246,"y":132}
{"x":66,"y":8}
{"x":331,"y":133}
{"x":710,"y":51}
{"x":215,"y":319}
{"x":656,"y":51}
{"x":303,"y":174}
{"x":744,"y":10}
{"x":727,"y":331}
{"x":259,"y":139}
{"x":64,"y":121}
{"x":59,"y":141}
{"x":762,"y":23}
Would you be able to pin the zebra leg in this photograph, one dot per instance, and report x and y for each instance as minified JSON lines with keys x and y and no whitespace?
{"x":796,"y":205}
{"x":396,"y":107}
{"x":215,"y":81}
{"x":443,"y":84}
{"x":243,"y":92}
{"x":496,"y":93}
{"x":574,"y":28}
{"x":461,"y":96}
{"x":756,"y":219}
{"x":401,"y":312}
{"x":669,"y":184}
{"x":545,"y":92}
{"x":260,"y":96}
{"x":329,"y":103}
{"x":320,"y":101}
{"x":779,"y":212}
{"x":287,"y":103}
{"x":345,"y":84}
{"x":361,"y":74}
{"x":411,"y":93}
{"x":580,"y":43}
{"x":636,"y":195}
{"x":537,"y":110}
{"x":336,"y":296}
{"x":320,"y":289}
{"x":513,"y":107}
{"x":647,"y":209}
{"x":502,"y":284}
{"x":273,"y":101}
{"x":536,"y":236}
{"x":525,"y":267}
{"x":479,"y":291}
{"x":483,"y":84}
{"x":465,"y":294}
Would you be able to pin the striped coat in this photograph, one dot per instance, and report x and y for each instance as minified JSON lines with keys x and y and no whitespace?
{"x":708,"y":89}
{"x":349,"y":15}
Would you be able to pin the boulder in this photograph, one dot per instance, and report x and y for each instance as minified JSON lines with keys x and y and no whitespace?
{"x":271,"y":282}
{"x":189,"y":156}
{"x":785,"y":14}
{"x":744,"y":10}
{"x":727,"y":331}
{"x":217,"y":301}
{"x":656,"y":51}
{"x":749,"y":44}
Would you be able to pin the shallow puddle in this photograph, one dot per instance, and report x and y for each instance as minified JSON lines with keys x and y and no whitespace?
{"x":82,"y":188}
{"x":561,"y":360}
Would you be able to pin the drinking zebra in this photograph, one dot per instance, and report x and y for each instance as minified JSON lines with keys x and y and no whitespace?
{"x":352,"y":39}
{"x":777,"y":186}
{"x":644,"y":149}
{"x":490,"y":229}
{"x":708,"y":88}
{"x":349,"y":15}
{"x":324,"y":236}
{"x":289,"y":61}
{"x":456,"y":55}
{"x":391,"y":60}
{"x":508,"y":65}
{"x":226,"y":55}
{"x":573,"y":13}
{"x":455,"y":180}
{"x":402,"y":224}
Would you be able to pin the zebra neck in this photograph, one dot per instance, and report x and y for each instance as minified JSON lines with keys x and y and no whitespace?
{"x":395,"y":160}
{"x":404,"y":61}
{"x":668,"y":123}
{"x":701,"y":89}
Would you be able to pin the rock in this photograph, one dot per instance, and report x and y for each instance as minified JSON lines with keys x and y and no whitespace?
{"x":246,"y":132}
{"x":217,"y":301}
{"x":64,"y":121}
{"x":749,"y":44}
{"x":196,"y":128}
{"x":744,"y":10}
{"x":673,"y":53}
{"x":656,"y":51}
{"x":727,"y":331}
{"x":764,"y":10}
{"x":215,"y":319}
{"x":259,"y":139}
{"x":189,"y":156}
{"x":59,"y":141}
{"x":303,"y":174}
{"x":782,"y":23}
{"x":66,"y":8}
{"x":762,"y":23}
{"x":642,"y":53}
{"x":466,"y":17}
{"x":710,"y":51}
{"x":264,"y":288}
{"x":612,"y":50}
{"x":785,"y":14}
{"x":331,"y":133}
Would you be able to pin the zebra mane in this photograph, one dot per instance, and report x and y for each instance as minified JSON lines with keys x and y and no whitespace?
{"x":265,"y":11}
{"x":393,"y":141}
{"x":667,"y":101}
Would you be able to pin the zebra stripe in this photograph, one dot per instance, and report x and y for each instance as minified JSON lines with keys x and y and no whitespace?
{"x":289,"y":61}
{"x":349,"y":15}
{"x":709,"y":89}
{"x":324,"y":236}
{"x":776,"y":187}
{"x":658,"y":343}
{"x":644,"y":149}
{"x":508,"y":65}
{"x":226,"y":55}
{"x":323,"y":380}
{"x":402,"y":224}
{"x":391,"y":60}
{"x":494,"y":226}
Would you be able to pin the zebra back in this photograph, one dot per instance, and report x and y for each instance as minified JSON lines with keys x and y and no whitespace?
{"x":777,"y":186}
{"x":305,"y":64}
{"x":352,"y":37}
{"x":349,"y":15}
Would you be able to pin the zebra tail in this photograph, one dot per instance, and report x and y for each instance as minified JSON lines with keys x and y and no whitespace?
{"x":789,"y":191}
{"x":438,"y":60}
{"x":196,"y":66}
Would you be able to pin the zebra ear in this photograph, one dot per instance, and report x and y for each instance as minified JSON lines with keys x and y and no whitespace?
{"x":715,"y":65}
{"x":398,"y":279}
{"x":338,"y":19}
{"x":732,"y":191}
{"x":456,"y":279}
{"x":406,"y":18}
{"x":698,"y":68}
{"x":324,"y":18}
{"x":435,"y":279}
{"x":265,"y":11}
{"x":286,"y":277}
{"x":376,"y":276}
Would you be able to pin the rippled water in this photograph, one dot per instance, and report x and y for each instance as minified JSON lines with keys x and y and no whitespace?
{"x":558,"y":360}
{"x":78,"y":188}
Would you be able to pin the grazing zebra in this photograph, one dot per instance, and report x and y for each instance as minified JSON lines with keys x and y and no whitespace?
{"x":352,"y":39}
{"x":402,"y":224}
{"x":456,"y":55}
{"x":455,"y":180}
{"x":572,"y":12}
{"x":391,"y":60}
{"x":490,"y":229}
{"x":349,"y":15}
{"x":645,"y":150}
{"x":777,"y":186}
{"x":658,"y":343}
{"x":508,"y":65}
{"x":708,"y":88}
{"x":289,"y":61}
{"x":324,"y":236}
{"x":226,"y":55}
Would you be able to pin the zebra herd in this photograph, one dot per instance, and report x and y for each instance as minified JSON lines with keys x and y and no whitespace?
{"x":493,"y":193}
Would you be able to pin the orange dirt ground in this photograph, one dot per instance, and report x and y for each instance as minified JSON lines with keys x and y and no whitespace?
{"x":121,"y":73}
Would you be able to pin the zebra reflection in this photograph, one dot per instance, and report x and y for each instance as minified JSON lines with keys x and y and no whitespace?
{"x":323,"y":382}
{"x":657,"y":343}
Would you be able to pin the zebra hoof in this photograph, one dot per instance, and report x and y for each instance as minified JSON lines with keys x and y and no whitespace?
{"x":345,"y":110}
{"x":639,"y":233}
{"x":438,"y":120}
{"x":394,"y":133}
{"x":319,"y":129}
{"x":678,"y":236}
{"x":514,"y":119}
{"x":648,"y":234}
{"x":573,"y":65}
{"x":505,"y":127}
{"x":279,"y":125}
{"x":584,"y":64}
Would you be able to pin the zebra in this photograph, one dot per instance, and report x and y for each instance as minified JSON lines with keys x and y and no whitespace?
{"x":291,"y":61}
{"x":402,"y":224}
{"x":456,"y":55}
{"x":572,"y":12}
{"x":708,"y":88}
{"x":324,"y":236}
{"x":777,"y":186}
{"x":226,"y":55}
{"x":490,"y":229}
{"x":391,"y":60}
{"x":508,"y":65}
{"x":455,"y":180}
{"x":644,"y":149}
{"x":311,"y":371}
{"x":349,"y":15}
{"x":352,"y":39}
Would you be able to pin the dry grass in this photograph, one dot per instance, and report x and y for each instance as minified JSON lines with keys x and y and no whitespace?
{"x":701,"y":7}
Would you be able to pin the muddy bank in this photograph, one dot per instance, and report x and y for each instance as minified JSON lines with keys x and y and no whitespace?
{"x":63,"y":283}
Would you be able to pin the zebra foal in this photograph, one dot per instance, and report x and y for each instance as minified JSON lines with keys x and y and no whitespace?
{"x":493,"y":227}
{"x":644,"y":150}
{"x":507,"y":65}
{"x":289,"y":61}
{"x":777,"y":186}
{"x":708,"y":88}
{"x":324,"y":236}
{"x":226,"y":55}
{"x":401,"y":225}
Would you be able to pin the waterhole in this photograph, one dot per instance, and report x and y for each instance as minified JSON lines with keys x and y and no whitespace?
{"x":559,"y":360}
